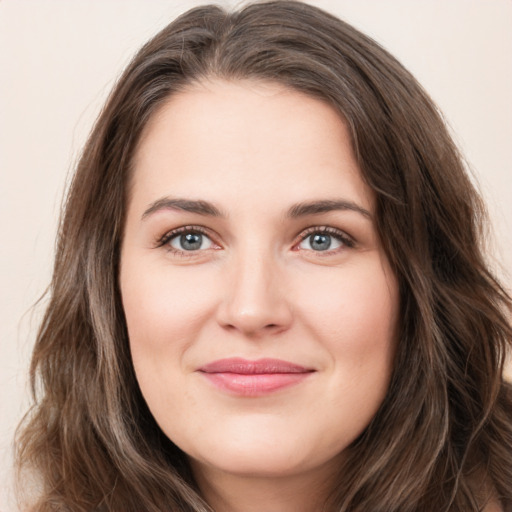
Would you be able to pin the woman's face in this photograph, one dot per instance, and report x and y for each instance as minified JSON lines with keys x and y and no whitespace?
{"x":261,"y":308}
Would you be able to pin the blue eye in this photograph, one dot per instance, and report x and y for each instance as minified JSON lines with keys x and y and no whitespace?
{"x":190,"y":241}
{"x":321,"y":240}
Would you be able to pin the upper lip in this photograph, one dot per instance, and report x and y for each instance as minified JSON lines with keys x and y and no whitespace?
{"x":247,"y":367}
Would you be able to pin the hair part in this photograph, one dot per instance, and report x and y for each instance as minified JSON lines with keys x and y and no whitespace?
{"x":446,"y":420}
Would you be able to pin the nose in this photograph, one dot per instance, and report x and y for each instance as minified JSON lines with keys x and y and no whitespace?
{"x":254,"y":301}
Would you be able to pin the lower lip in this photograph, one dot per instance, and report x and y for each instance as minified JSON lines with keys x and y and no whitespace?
{"x":255,"y":384}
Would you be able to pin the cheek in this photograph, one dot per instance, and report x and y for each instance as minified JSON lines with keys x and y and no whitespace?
{"x":164,"y":301}
{"x":165,"y":309}
{"x":355,"y":314}
{"x":356,"y":317}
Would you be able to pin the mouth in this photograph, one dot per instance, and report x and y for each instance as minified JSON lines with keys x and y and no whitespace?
{"x":243,"y":377}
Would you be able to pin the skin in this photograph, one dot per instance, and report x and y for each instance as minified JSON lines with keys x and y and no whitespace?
{"x":256,"y":288}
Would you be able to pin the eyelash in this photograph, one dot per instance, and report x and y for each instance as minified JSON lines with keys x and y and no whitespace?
{"x":339,"y":235}
{"x":167,"y":237}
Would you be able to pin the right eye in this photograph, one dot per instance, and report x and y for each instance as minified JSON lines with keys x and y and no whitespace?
{"x":189,"y":241}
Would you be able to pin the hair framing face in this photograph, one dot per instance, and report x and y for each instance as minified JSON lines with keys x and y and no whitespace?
{"x":446,"y":419}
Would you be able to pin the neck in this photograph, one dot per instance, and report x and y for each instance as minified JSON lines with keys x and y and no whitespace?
{"x":228,"y":492}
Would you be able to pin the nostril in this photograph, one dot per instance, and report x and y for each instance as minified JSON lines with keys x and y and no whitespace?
{"x":254,"y":308}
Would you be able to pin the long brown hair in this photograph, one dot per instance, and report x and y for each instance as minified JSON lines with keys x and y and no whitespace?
{"x":445,"y":426}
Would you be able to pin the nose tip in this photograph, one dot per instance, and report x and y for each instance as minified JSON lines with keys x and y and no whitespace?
{"x":253,"y":323}
{"x":255,"y":303}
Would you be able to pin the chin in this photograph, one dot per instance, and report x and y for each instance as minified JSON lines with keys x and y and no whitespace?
{"x":259,"y":452}
{"x":253,"y":462}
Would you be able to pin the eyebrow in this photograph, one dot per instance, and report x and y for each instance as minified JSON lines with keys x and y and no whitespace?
{"x":298,"y":210}
{"x":187,"y":205}
{"x":324,"y":206}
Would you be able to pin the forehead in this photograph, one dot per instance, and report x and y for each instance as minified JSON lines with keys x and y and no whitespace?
{"x":247,"y":137}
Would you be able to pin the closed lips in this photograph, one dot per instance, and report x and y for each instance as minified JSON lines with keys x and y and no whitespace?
{"x":247,"y":367}
{"x":244,"y":378}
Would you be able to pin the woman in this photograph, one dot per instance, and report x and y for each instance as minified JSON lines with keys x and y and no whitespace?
{"x":269,"y":292}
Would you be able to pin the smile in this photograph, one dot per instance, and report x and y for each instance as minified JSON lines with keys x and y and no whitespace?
{"x":253,"y":378}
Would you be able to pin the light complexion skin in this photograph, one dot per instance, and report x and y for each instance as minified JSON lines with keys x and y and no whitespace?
{"x":261,"y":308}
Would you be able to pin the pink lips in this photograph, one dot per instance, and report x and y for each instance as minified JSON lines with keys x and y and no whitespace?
{"x":253,"y":378}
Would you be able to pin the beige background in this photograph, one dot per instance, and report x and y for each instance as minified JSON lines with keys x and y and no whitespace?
{"x":58,"y":60}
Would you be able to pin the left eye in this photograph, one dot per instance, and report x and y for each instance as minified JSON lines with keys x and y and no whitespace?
{"x":190,"y":241}
{"x":321,"y":242}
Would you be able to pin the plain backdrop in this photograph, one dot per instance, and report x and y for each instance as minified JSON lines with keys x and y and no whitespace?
{"x":59,"y":59}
